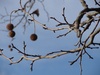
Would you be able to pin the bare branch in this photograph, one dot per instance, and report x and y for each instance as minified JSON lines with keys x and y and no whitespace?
{"x":97,"y":3}
{"x":84,"y":3}
{"x":26,"y":13}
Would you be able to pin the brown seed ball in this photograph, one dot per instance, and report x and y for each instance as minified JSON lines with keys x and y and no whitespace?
{"x":12,"y":33}
{"x":10,"y":26}
{"x":33,"y":37}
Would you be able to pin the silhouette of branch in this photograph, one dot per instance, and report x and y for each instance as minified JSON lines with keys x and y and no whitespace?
{"x":97,"y":3}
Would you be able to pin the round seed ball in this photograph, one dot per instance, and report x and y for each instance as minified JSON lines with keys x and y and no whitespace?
{"x":10,"y":26}
{"x":12,"y":33}
{"x":33,"y":37}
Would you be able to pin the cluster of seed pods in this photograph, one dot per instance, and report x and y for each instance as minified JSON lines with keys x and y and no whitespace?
{"x":12,"y":33}
{"x":10,"y":27}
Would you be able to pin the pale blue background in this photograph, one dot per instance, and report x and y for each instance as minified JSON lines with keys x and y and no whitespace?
{"x":47,"y":42}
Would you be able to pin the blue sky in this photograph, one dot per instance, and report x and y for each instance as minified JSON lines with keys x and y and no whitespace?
{"x":47,"y":42}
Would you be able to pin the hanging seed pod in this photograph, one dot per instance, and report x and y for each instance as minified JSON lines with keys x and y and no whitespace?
{"x":36,"y":12}
{"x":12,"y":34}
{"x":33,"y":37}
{"x":10,"y":26}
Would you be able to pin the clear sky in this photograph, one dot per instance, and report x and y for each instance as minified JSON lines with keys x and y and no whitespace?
{"x":47,"y":42}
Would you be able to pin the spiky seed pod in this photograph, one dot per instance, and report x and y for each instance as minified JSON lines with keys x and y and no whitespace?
{"x":12,"y":34}
{"x":10,"y":26}
{"x":33,"y":37}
